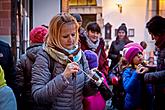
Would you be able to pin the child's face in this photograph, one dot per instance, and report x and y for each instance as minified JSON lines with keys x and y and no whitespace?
{"x":138,"y":59}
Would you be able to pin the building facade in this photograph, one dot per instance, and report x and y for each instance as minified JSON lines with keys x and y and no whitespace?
{"x":17,"y":17}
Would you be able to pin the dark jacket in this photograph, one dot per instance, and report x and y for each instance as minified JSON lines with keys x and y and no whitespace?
{"x":158,"y":80}
{"x":114,"y":51}
{"x":23,"y":77}
{"x":6,"y":61}
{"x":100,"y":51}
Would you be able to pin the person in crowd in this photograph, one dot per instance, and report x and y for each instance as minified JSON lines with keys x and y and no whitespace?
{"x":144,"y":45}
{"x":156,"y":28}
{"x":24,"y":67}
{"x":8,"y":65}
{"x":115,"y":73}
{"x":70,"y":80}
{"x":133,"y":83}
{"x":94,"y":102}
{"x":78,"y":17}
{"x":7,"y":100}
{"x":91,"y":40}
{"x":118,"y":45}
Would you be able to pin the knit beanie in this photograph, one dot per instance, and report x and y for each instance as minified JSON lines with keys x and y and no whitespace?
{"x":92,"y":59}
{"x":122,"y":27}
{"x":134,"y":45}
{"x":130,"y":53}
{"x":77,"y":17}
{"x":38,"y":34}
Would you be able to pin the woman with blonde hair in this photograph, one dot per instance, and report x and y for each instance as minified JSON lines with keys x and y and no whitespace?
{"x":63,"y":89}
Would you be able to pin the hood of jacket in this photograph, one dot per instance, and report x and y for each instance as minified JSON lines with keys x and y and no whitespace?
{"x":31,"y":51}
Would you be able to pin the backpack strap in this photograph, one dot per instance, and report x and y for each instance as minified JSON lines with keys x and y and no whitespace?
{"x":51,"y":63}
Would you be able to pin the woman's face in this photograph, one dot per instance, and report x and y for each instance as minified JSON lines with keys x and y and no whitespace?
{"x":93,"y":35}
{"x":154,"y":37}
{"x":121,"y":34}
{"x":68,"y":36}
{"x":138,"y":59}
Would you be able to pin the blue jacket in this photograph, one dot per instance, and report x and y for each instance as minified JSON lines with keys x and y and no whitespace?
{"x":132,"y":83}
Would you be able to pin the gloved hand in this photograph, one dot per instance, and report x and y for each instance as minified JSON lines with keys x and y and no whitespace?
{"x":114,"y":80}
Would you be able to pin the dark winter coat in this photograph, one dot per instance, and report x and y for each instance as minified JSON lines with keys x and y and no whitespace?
{"x":6,"y":61}
{"x":114,"y":51}
{"x":23,"y":77}
{"x":158,"y":80}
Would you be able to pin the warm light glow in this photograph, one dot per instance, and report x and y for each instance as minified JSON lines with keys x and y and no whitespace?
{"x":119,"y":4}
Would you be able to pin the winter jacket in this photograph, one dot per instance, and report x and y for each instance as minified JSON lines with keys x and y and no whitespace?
{"x":23,"y":76}
{"x":100,"y":51}
{"x":133,"y":86}
{"x":54,"y":89}
{"x":158,"y":80}
{"x":6,"y":61}
{"x":7,"y":100}
{"x":114,"y":51}
{"x":95,"y":102}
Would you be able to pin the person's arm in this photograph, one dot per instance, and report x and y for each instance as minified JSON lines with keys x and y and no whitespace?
{"x":155,"y":77}
{"x":103,"y":63}
{"x":20,"y":67}
{"x":111,"y":54}
{"x":130,"y":80}
{"x":10,"y":71}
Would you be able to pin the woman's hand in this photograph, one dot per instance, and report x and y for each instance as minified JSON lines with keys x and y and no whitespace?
{"x":71,"y":68}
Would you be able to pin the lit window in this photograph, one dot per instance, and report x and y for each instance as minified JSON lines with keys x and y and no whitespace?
{"x":82,"y":3}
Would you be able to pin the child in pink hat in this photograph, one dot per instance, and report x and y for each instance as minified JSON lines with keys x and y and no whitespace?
{"x":133,"y":79}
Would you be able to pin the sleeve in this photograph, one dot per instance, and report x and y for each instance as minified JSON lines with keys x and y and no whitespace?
{"x":10,"y":72}
{"x":155,"y":77}
{"x":130,"y":80}
{"x":111,"y":54}
{"x":105,"y":66}
{"x":20,"y":66}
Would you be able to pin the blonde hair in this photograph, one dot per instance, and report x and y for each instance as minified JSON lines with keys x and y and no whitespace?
{"x":55,"y":27}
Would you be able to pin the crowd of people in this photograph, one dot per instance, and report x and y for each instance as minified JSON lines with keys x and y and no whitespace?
{"x":66,"y":68}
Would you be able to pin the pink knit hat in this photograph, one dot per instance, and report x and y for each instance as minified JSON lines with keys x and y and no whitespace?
{"x":135,"y":45}
{"x":37,"y":34}
{"x":131,"y":52}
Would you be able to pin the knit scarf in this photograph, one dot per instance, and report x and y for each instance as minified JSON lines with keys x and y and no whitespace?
{"x":63,"y":55}
{"x":92,"y":45}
